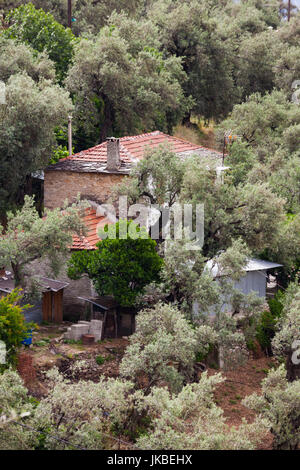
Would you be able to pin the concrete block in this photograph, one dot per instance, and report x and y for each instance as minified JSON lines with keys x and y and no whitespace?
{"x":67,"y":334}
{"x":98,"y":336}
{"x":78,"y":330}
{"x":96,"y":324}
{"x":94,"y":327}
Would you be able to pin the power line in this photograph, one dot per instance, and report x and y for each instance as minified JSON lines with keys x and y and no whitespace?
{"x":65,"y":441}
{"x":70,"y":13}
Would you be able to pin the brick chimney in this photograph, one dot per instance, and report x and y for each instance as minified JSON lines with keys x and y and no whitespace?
{"x":113,"y":154}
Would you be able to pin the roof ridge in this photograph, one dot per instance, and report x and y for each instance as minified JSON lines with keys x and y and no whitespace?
{"x":168,"y":136}
{"x":131,"y":137}
{"x":191,"y":143}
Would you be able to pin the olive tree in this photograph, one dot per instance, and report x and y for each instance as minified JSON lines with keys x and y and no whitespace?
{"x":28,"y":120}
{"x":164,"y":347}
{"x":19,"y":58}
{"x":28,"y":237}
{"x":94,"y":416}
{"x":251,"y":212}
{"x":287,"y":338}
{"x":192,"y":421}
{"x":124,"y":85}
{"x":205,"y":291}
{"x":279,"y":405}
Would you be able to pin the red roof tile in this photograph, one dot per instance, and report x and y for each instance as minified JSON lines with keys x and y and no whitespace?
{"x":132,"y":148}
{"x":93,"y":222}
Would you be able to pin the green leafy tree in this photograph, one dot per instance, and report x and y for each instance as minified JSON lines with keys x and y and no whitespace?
{"x":13,"y":329}
{"x":42,"y":33}
{"x":124,"y":262}
{"x":266,"y":327}
{"x":28,"y":237}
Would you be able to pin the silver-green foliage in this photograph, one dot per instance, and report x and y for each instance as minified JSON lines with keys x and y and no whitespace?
{"x":279,"y":405}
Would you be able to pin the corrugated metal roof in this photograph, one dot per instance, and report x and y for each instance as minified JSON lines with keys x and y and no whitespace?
{"x":7,"y":283}
{"x":260,"y":265}
{"x":253,"y":264}
{"x":51,"y":284}
{"x":104,"y":302}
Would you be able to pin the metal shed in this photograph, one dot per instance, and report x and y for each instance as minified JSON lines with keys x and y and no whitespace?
{"x":254,"y":280}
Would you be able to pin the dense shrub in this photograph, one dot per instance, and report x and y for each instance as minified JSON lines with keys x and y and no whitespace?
{"x":266,"y":327}
{"x":279,"y":404}
{"x":164,"y":348}
{"x":13,"y":329}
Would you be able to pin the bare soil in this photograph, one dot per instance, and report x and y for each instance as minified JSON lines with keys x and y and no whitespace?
{"x":102,"y":360}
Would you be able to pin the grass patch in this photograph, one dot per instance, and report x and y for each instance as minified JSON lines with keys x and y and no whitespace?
{"x":232,"y":401}
{"x":41,"y":343}
{"x":101,"y":359}
{"x":72,"y":341}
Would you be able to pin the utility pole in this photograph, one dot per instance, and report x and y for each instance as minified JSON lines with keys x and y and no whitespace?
{"x":289,"y":9}
{"x":70,"y":135}
{"x":70,"y":13}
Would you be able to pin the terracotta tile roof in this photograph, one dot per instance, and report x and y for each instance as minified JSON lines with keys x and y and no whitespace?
{"x":132,"y":149}
{"x":92,"y":222}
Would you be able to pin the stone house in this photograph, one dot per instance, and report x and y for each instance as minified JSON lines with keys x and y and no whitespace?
{"x":95,"y":171}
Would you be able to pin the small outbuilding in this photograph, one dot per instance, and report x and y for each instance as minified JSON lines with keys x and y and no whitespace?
{"x":117,"y":321}
{"x":256,"y":276}
{"x":255,"y":279}
{"x":50,"y":309}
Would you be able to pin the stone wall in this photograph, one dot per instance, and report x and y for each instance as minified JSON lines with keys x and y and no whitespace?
{"x":62,"y":185}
